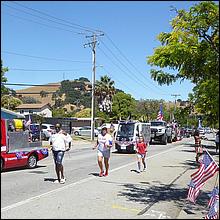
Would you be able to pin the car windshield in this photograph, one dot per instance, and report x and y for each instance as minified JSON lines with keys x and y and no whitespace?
{"x":126,"y":130}
{"x":156,"y":123}
{"x":52,"y":127}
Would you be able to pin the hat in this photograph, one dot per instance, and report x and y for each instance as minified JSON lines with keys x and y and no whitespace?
{"x":58,"y":125}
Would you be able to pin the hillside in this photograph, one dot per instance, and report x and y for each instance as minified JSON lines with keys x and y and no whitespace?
{"x":50,"y":87}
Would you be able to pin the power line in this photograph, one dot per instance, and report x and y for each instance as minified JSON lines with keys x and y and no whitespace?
{"x":137,"y":81}
{"x":46,"y":19}
{"x":129,"y":60}
{"x":45,"y":58}
{"x":26,"y":84}
{"x":44,"y":24}
{"x":44,"y":70}
{"x":88,"y":29}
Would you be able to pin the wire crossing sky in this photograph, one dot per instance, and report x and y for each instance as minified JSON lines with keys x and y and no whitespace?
{"x":42,"y":41}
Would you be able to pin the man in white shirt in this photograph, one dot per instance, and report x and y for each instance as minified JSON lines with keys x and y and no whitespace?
{"x":104,"y":144}
{"x":61,"y":142}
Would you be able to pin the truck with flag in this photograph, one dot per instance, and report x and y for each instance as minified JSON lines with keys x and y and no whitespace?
{"x":17,"y":150}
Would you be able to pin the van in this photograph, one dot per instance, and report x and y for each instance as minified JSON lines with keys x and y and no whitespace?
{"x":127,"y":134}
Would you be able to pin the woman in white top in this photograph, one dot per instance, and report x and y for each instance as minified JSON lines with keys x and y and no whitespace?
{"x":104,"y":144}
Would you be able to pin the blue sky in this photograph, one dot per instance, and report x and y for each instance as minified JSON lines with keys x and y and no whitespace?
{"x":132,"y":26}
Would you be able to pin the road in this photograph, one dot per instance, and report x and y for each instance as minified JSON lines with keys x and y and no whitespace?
{"x":24,"y":186}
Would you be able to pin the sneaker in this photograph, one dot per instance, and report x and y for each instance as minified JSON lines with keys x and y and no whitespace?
{"x":101,"y":174}
{"x":144,"y":169}
{"x":56,"y":181}
{"x":62,"y":181}
{"x":138,"y":171}
{"x":106,"y":174}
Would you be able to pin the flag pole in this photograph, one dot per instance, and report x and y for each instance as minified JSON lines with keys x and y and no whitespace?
{"x":211,"y":156}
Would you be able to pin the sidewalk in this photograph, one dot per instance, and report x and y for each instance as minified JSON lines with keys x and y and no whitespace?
{"x":160,"y":192}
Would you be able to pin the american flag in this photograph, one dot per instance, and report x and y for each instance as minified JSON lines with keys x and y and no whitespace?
{"x":160,"y":114}
{"x":213,"y":211}
{"x":214,"y":196}
{"x":207,"y":169}
{"x":193,"y":191}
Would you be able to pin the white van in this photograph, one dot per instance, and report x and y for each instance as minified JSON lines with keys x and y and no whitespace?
{"x":127,"y":134}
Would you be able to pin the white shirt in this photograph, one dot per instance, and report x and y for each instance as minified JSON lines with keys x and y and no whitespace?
{"x":103,"y":141}
{"x":60,"y":141}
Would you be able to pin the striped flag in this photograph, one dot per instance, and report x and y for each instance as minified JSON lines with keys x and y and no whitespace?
{"x":160,"y":113}
{"x":207,"y":169}
{"x":193,"y":191}
{"x":214,"y":195}
{"x":213,"y":211}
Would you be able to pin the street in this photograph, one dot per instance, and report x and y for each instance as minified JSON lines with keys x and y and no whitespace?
{"x":157,"y":193}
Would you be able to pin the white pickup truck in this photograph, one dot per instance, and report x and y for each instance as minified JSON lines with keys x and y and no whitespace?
{"x":161,"y":132}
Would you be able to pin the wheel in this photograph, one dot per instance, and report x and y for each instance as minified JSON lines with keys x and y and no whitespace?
{"x":169,"y":139}
{"x":2,"y":162}
{"x":32,"y":161}
{"x":43,"y":136}
{"x":164,"y":139}
{"x":76,"y":133}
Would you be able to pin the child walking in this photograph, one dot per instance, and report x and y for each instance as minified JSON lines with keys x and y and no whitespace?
{"x":141,"y":149}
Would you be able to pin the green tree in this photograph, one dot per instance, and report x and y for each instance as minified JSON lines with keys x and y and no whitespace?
{"x":105,"y":90}
{"x":43,"y":94}
{"x":191,"y":49}
{"x":29,"y":100}
{"x":123,"y":106}
{"x":3,"y":79}
{"x":10,"y":102}
{"x":84,"y":113}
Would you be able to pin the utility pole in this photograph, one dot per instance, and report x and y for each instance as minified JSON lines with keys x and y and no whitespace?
{"x":93,"y":47}
{"x":175,"y":95}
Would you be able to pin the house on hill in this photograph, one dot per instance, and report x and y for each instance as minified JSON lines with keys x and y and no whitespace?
{"x":38,"y":109}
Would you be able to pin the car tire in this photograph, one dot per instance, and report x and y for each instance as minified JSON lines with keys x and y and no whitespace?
{"x":164,"y":139}
{"x":169,"y":139}
{"x":43,"y":137}
{"x":76,"y":133}
{"x":2,"y":162}
{"x":32,"y":161}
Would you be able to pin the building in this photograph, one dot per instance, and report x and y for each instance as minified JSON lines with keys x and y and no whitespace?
{"x":38,"y":109}
{"x":8,"y":114}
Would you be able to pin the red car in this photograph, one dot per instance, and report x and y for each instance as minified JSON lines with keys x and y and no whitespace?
{"x":17,"y":150}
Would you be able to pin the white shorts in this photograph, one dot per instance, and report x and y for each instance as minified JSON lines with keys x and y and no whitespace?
{"x":105,"y":153}
{"x":141,"y":155}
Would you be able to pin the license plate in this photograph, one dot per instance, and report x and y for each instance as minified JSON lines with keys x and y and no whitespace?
{"x":123,"y":147}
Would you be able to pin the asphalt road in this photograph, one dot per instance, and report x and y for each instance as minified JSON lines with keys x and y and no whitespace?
{"x":123,"y":194}
{"x":79,"y":163}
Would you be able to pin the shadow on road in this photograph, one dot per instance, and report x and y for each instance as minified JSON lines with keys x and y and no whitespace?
{"x":50,"y":179}
{"x":150,"y":194}
{"x":94,"y":174}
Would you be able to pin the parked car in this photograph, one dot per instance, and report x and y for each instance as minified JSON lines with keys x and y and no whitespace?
{"x":47,"y":131}
{"x":86,"y":131}
{"x":207,"y":130}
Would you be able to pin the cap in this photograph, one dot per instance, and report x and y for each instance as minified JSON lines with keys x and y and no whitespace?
{"x":58,"y":125}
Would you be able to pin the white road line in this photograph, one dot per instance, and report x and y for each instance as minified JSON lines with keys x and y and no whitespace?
{"x":75,"y":183}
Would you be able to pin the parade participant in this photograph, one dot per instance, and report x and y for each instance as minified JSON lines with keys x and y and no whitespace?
{"x":61,"y":142}
{"x":198,"y":147}
{"x":141,"y":149}
{"x":104,"y":144}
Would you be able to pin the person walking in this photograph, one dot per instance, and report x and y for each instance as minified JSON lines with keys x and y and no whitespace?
{"x":104,"y":144}
{"x":217,"y":141}
{"x":141,"y":149}
{"x":61,"y":142}
{"x":198,"y":147}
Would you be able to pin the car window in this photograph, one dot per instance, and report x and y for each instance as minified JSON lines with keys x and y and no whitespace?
{"x":44,"y":127}
{"x":52,"y":127}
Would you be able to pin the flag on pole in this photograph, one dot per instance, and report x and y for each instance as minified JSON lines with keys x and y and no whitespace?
{"x":160,"y":113}
{"x":193,"y":191}
{"x":213,"y":211}
{"x":208,"y":167}
{"x":214,"y":195}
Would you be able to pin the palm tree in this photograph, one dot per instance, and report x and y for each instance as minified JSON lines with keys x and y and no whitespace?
{"x":105,"y":90}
